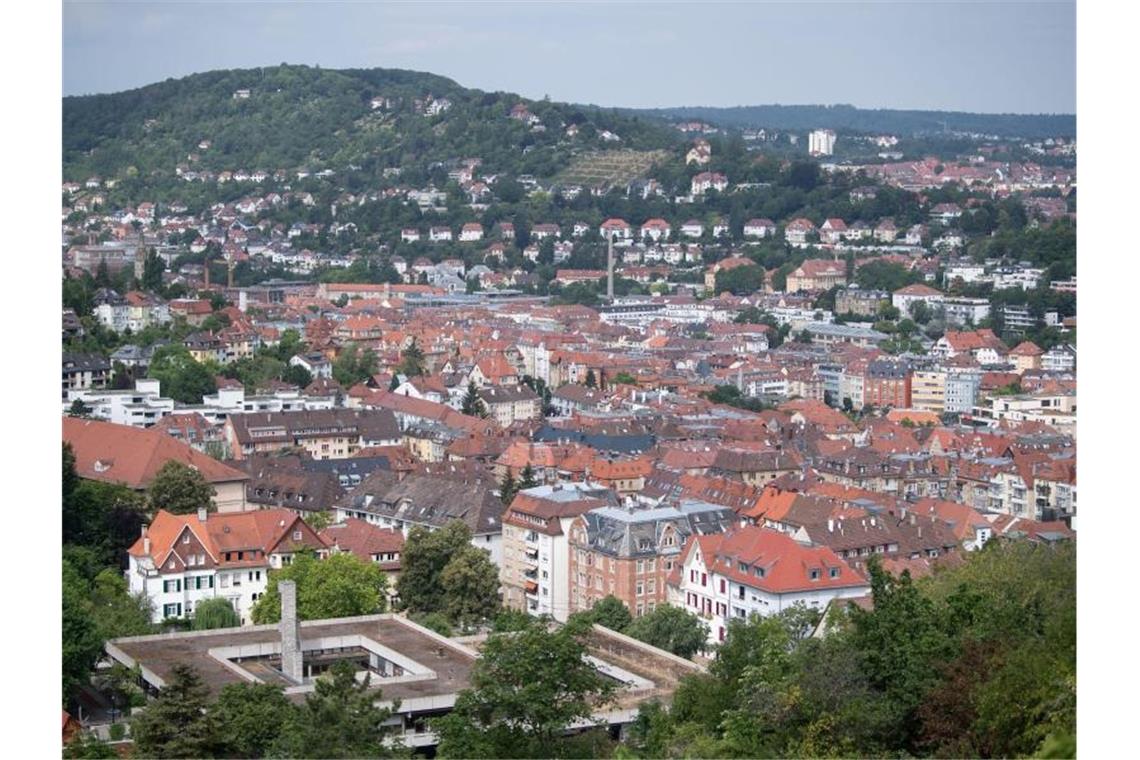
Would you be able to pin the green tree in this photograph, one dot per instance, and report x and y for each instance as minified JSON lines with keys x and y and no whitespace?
{"x":422,"y":562}
{"x":182,"y":378}
{"x":526,"y":689}
{"x":741,"y":280}
{"x":473,"y":406}
{"x":114,"y":610}
{"x":215,"y":613}
{"x":625,"y":378}
{"x":250,"y":718}
{"x":343,"y":585}
{"x":339,"y":719}
{"x":412,"y":360}
{"x":670,"y":628}
{"x":591,"y":379}
{"x":82,"y":644}
{"x":179,"y":489}
{"x":79,"y":409}
{"x":612,"y":613}
{"x":470,"y":583}
{"x":176,"y":723}
{"x":354,"y":365}
{"x":297,"y":375}
{"x":527,"y":478}
{"x":87,"y":746}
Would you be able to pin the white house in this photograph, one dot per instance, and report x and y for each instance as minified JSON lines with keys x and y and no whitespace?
{"x":754,"y":570}
{"x":141,"y":407}
{"x":181,"y":560}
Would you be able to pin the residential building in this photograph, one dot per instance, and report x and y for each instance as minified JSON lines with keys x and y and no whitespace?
{"x":821,"y":142}
{"x":754,"y":570}
{"x":535,"y":572}
{"x":323,"y":434}
{"x":629,"y":551}
{"x":183,"y":560}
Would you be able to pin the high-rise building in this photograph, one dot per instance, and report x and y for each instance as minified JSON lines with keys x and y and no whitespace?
{"x":821,"y":142}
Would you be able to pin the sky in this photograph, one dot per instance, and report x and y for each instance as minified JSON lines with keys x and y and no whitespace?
{"x":990,"y":57}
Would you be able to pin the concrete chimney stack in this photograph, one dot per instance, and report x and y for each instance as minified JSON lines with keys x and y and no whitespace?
{"x":203,"y":513}
{"x":610,"y":268}
{"x":292,"y":664}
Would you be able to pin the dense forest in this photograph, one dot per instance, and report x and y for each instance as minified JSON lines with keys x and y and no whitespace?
{"x":900,"y":122}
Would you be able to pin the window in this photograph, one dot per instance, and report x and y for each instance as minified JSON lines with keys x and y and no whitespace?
{"x":296,"y":535}
{"x":834,"y":572}
{"x":759,"y":571}
{"x":640,"y":589}
{"x":186,"y":539}
{"x":814,"y":574}
{"x":722,"y":585}
{"x":172,"y":610}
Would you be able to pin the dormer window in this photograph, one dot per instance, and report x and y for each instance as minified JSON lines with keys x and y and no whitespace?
{"x":759,"y":572}
{"x":834,"y":572}
{"x":813,"y":574}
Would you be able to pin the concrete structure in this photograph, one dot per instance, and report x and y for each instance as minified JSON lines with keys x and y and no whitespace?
{"x":291,"y":659}
{"x":141,"y":407}
{"x":821,"y":142}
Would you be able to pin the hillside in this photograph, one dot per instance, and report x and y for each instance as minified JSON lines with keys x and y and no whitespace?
{"x":303,"y":117}
{"x":844,"y":117}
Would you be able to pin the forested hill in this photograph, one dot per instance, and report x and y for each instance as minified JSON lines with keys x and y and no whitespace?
{"x":845,"y":117}
{"x":305,"y":117}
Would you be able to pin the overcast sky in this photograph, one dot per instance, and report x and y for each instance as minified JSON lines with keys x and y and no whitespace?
{"x":1017,"y":57}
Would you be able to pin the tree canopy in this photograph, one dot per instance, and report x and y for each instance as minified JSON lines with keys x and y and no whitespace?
{"x":342,"y":585}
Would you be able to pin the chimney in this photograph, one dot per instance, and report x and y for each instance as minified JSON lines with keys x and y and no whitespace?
{"x":610,"y":269}
{"x":291,"y":659}
{"x":830,"y":525}
{"x":203,"y":513}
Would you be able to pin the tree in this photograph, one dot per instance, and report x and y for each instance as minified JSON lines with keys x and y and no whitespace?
{"x":250,"y":717}
{"x":339,"y":719}
{"x":215,"y":613}
{"x":182,"y":378}
{"x":473,"y":406}
{"x":527,"y":478}
{"x":508,"y":488}
{"x":153,"y":267}
{"x":803,"y":336}
{"x":612,"y":613}
{"x":624,"y":378}
{"x":87,"y":746}
{"x":470,"y":583}
{"x":79,"y":409}
{"x":591,"y":379}
{"x":412,"y":360}
{"x":297,"y":375}
{"x":82,"y":645}
{"x":179,"y":489}
{"x":424,"y":558}
{"x":114,"y":610}
{"x":354,"y":365}
{"x":526,"y":689}
{"x":741,"y":280}
{"x":343,"y":585}
{"x":176,"y":723}
{"x":672,"y":629}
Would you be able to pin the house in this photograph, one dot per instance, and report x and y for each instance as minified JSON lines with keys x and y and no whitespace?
{"x":754,"y":570}
{"x":655,"y":230}
{"x":799,"y":231}
{"x":85,"y":372}
{"x":316,"y":364}
{"x":369,"y":543}
{"x":692,"y":229}
{"x":471,"y":232}
{"x":983,"y":345}
{"x":700,"y":153}
{"x":431,"y":497}
{"x":903,"y":298}
{"x":440,"y":234}
{"x":409,"y":235}
{"x":506,"y":404}
{"x":817,"y":274}
{"x":832,"y":231}
{"x":708,"y":181}
{"x":323,"y":433}
{"x":946,"y":212}
{"x":759,"y":228}
{"x":617,"y":229}
{"x":183,"y":560}
{"x":132,"y":457}
{"x":141,"y":406}
{"x":1026,"y":356}
{"x":543,"y":231}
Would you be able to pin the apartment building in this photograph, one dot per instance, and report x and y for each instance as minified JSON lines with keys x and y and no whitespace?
{"x":324,"y":434}
{"x":535,"y":572}
{"x":629,"y":551}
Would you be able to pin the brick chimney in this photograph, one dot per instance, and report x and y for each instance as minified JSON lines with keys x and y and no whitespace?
{"x":292,"y":664}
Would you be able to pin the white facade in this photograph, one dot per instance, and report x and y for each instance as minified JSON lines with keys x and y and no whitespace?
{"x":821,"y":142}
{"x":141,"y":407}
{"x":717,"y":599}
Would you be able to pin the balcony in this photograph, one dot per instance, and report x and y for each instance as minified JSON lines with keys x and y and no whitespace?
{"x":531,"y":588}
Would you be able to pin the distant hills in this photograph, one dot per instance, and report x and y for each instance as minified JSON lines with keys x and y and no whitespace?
{"x":288,"y":117}
{"x":897,"y":122}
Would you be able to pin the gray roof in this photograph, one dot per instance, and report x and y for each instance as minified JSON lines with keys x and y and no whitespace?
{"x":429,"y":500}
{"x":639,"y":531}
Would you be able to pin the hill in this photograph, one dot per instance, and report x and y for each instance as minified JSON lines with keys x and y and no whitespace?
{"x":290,"y":117}
{"x":849,"y":118}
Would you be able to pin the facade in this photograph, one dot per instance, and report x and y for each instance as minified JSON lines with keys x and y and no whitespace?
{"x":754,"y":570}
{"x":629,"y":551}
{"x":535,"y":572}
{"x":141,"y":407}
{"x":181,"y":560}
{"x":84,"y":372}
{"x":324,"y":434}
{"x":821,"y":142}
